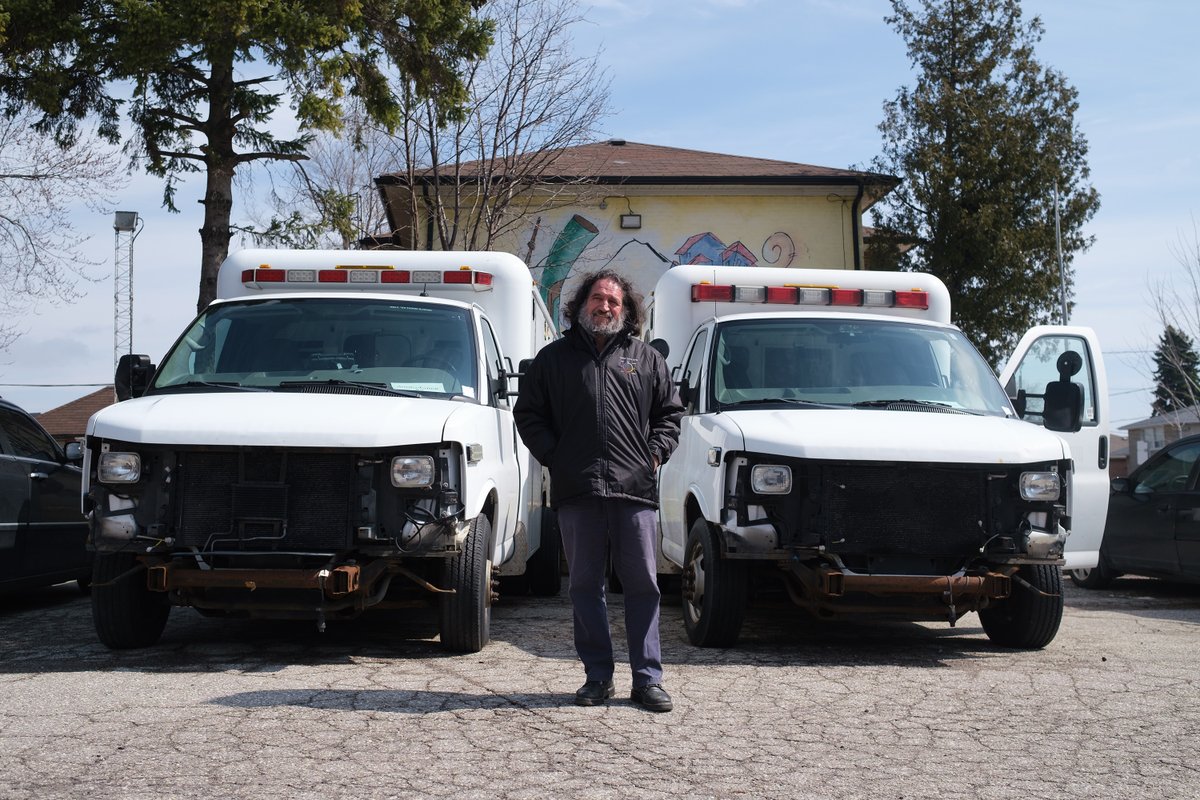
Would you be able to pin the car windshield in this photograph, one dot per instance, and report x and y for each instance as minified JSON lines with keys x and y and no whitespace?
{"x":324,"y":344}
{"x":866,"y":364}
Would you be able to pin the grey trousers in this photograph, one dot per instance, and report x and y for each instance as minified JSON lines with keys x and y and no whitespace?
{"x":592,"y":528}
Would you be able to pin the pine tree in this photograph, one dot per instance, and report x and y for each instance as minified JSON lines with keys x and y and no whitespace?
{"x":200,"y":82}
{"x":1176,"y":383}
{"x":981,"y":142}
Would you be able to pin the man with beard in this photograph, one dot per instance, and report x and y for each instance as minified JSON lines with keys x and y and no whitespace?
{"x":598,"y":408}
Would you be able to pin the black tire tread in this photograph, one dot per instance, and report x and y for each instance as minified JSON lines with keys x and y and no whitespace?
{"x":723,"y":608}
{"x":126,"y":613}
{"x":1027,"y":619}
{"x":465,"y":616}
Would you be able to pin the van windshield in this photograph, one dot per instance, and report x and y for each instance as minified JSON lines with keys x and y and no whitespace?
{"x":317,"y":344}
{"x":865,"y":364}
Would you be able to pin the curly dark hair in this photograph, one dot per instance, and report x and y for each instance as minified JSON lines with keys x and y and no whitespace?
{"x":631,"y":303}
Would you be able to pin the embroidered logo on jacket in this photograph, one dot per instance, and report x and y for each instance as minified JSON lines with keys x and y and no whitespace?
{"x":628,"y":365}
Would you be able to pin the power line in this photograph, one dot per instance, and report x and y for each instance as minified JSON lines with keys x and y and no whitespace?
{"x":53,"y":385}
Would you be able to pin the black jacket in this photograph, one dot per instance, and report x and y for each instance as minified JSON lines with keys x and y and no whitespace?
{"x":596,"y":420}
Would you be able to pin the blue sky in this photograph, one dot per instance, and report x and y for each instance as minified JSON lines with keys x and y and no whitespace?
{"x":796,"y":80}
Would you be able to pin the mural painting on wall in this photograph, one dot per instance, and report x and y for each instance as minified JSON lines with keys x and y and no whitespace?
{"x":579,"y":248}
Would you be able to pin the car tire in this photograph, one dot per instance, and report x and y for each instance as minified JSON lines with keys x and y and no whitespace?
{"x":466,"y":616}
{"x":1030,"y":616}
{"x":125,"y":612}
{"x":714,"y":590}
{"x":1100,"y":576}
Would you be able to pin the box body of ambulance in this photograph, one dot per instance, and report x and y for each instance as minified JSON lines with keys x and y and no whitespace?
{"x":845,"y":447}
{"x":333,"y":433}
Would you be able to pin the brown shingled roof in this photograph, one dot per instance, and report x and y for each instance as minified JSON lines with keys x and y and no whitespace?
{"x":619,"y":161}
{"x":70,"y":420}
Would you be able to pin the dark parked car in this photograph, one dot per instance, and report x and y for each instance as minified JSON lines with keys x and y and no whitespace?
{"x":43,"y":534}
{"x":1153,"y":523}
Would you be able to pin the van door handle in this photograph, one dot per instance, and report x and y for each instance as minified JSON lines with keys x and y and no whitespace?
{"x":38,"y":476}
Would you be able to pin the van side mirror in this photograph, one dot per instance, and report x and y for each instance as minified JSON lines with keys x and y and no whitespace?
{"x":1020,"y":402}
{"x":133,"y":376}
{"x":1063,"y":400}
{"x":661,"y":346}
{"x":502,"y":388}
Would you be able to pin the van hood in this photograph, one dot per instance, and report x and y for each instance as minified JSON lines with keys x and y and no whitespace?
{"x":276,"y":419}
{"x":880,"y":435}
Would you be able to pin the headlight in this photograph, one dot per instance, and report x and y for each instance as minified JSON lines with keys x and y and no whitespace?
{"x":410,"y":472}
{"x":1040,"y":486}
{"x":771,"y":479}
{"x":119,"y":468}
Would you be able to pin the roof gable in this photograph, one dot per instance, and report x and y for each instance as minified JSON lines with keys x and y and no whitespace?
{"x":71,"y":419}
{"x":620,"y":161}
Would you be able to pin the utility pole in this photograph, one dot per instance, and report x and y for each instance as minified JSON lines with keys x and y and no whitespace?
{"x":1062,"y":278}
{"x":126,"y":226}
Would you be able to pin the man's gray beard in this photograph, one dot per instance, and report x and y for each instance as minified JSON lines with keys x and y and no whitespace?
{"x":614,"y":325}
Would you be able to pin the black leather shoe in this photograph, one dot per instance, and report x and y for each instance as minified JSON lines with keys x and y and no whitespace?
{"x":594,"y":693}
{"x":652,"y":698}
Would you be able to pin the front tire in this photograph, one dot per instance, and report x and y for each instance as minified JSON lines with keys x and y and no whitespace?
{"x":466,"y":616}
{"x":1030,"y":617}
{"x":714,"y":590}
{"x":125,"y":612}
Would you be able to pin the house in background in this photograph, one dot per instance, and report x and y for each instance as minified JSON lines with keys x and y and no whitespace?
{"x":69,"y":422}
{"x":641,"y":209}
{"x":1148,"y":436}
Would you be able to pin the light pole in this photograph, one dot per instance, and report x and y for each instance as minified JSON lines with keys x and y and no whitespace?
{"x":126,"y":226}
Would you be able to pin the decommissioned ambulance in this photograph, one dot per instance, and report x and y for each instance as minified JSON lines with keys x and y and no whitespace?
{"x":847,"y":448}
{"x":333,"y":433}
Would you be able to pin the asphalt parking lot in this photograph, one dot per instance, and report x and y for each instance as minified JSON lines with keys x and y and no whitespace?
{"x":374,"y":709}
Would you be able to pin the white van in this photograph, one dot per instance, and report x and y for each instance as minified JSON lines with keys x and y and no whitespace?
{"x":847,"y":448}
{"x":334,"y":431}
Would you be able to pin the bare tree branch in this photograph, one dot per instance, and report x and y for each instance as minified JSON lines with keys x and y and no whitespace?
{"x":42,"y":255}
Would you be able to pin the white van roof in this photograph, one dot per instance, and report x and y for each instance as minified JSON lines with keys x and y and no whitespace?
{"x":442,"y":273}
{"x":688,"y":295}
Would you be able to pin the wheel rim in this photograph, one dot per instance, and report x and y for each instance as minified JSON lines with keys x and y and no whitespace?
{"x":1082,"y":574}
{"x":694,"y":600}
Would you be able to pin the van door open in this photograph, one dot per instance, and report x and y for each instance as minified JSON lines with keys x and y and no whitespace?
{"x":1033,"y":372}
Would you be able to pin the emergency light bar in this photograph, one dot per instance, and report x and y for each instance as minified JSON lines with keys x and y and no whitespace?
{"x":364,"y":275}
{"x":810,"y":296}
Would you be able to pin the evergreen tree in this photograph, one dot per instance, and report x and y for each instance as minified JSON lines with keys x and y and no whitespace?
{"x":1176,"y":383}
{"x":201,"y":81}
{"x":982,"y":141}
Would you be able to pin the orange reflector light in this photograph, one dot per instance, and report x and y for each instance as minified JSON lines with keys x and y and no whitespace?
{"x":708,"y":293}
{"x":845,"y":297}
{"x":395,"y":276}
{"x":333,"y":276}
{"x":912,"y":299}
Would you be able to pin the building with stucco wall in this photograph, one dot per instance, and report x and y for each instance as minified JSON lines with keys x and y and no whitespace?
{"x":642,"y":209}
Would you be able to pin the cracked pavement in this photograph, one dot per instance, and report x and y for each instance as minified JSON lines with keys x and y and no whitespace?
{"x":374,"y":709}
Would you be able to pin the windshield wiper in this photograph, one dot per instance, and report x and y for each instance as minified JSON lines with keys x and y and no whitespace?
{"x":376,"y":387}
{"x":930,"y":404}
{"x":790,"y":400}
{"x":215,"y":385}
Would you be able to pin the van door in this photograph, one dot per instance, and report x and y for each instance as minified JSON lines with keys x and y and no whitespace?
{"x":1031,"y":367}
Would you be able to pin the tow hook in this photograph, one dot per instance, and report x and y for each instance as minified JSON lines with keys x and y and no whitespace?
{"x":948,"y":598}
{"x":321,"y":576}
